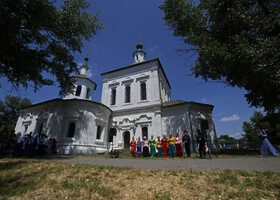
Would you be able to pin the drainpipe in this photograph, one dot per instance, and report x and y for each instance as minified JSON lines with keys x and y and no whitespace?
{"x":189,"y":111}
{"x":108,"y":132}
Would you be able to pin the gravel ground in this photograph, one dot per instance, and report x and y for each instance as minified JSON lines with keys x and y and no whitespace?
{"x":246,"y":164}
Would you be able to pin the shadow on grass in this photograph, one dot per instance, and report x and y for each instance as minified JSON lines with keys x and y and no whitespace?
{"x":12,"y":164}
{"x":15,"y":183}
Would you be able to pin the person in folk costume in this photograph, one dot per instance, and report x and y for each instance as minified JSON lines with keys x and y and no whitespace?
{"x":164,"y":142}
{"x":139,"y":147}
{"x":18,"y":149}
{"x":171,"y":147}
{"x":41,"y":146}
{"x":34,"y":142}
{"x":145,"y":147}
{"x":265,"y":146}
{"x":187,"y":141}
{"x":178,"y":145}
{"x":53,"y":147}
{"x":133,"y":147}
{"x":159,"y":147}
{"x":28,"y":146}
{"x":152,"y":144}
{"x":201,"y":142}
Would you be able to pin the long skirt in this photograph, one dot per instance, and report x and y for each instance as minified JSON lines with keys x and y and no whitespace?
{"x":171,"y":151}
{"x":146,"y":152}
{"x":267,"y":148}
{"x":159,"y":154}
{"x":164,"y":150}
{"x":139,"y":150}
{"x":133,"y":150}
{"x":153,"y":151}
{"x":179,"y":151}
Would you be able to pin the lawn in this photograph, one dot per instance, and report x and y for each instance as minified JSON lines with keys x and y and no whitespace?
{"x":39,"y":179}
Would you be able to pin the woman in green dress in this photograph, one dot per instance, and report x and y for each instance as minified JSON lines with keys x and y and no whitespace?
{"x":152,"y":144}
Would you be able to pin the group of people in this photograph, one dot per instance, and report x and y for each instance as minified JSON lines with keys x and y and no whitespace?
{"x":31,"y":145}
{"x":161,"y":147}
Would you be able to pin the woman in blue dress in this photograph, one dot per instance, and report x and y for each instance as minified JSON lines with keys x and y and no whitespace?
{"x":265,"y":145}
{"x":139,"y":147}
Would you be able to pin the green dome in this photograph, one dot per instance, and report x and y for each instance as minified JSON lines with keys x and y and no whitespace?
{"x":139,"y":46}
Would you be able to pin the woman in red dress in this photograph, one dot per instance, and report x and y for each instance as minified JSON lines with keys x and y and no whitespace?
{"x":164,"y":146}
{"x":133,"y":147}
{"x":178,"y":145}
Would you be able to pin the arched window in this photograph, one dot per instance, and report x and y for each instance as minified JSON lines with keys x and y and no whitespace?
{"x":78,"y":91}
{"x":127,"y":94}
{"x":143,"y":92}
{"x":113,"y":96}
{"x":88,"y":93}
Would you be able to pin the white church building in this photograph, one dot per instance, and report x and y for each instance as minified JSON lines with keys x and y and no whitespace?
{"x":136,"y":102}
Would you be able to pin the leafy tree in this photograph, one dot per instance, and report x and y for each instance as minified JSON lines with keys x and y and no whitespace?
{"x":38,"y":39}
{"x":9,"y":112}
{"x":270,"y":122}
{"x":237,"y":43}
{"x":227,"y":137}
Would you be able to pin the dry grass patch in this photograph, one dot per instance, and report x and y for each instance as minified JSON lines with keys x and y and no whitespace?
{"x":34,"y":179}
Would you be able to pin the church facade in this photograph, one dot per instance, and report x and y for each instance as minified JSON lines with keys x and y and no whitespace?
{"x":135,"y":102}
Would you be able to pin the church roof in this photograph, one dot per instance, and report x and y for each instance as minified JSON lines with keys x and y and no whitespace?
{"x":66,"y":100}
{"x":136,"y":64}
{"x":181,"y":102}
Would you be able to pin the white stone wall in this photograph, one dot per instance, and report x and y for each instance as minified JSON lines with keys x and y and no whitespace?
{"x":56,"y":116}
{"x":176,"y":119}
{"x":165,"y":90}
{"x":133,"y":76}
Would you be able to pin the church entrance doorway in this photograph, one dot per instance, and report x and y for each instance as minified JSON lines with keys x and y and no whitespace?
{"x":126,"y":138}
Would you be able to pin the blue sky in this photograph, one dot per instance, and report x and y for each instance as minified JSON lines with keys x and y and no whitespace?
{"x":113,"y":46}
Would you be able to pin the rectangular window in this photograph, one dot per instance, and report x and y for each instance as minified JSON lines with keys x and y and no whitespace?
{"x":144,"y":132}
{"x":99,"y":132}
{"x":71,"y":129}
{"x":113,"y":96}
{"x":127,"y":94}
{"x":143,"y":91}
{"x":78,"y":91}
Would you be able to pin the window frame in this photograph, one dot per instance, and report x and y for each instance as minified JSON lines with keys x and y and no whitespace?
{"x":127,"y":94}
{"x":113,"y":96}
{"x":143,"y":93}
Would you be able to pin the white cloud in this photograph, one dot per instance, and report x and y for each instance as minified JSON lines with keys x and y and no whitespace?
{"x":89,"y":73}
{"x":153,"y":48}
{"x":203,"y":99}
{"x":234,"y":117}
{"x":236,"y":135}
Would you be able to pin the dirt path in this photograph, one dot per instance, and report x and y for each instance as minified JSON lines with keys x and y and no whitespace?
{"x":247,"y":164}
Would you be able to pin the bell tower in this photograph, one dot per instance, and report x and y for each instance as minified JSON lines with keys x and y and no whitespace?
{"x":84,"y":87}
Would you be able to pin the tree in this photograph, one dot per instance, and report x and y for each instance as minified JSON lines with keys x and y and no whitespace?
{"x":39,"y":39}
{"x":269,"y":122}
{"x":237,"y":43}
{"x":9,"y":112}
{"x":227,"y":137}
{"x":251,"y":129}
